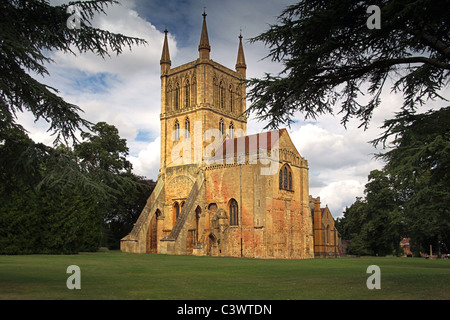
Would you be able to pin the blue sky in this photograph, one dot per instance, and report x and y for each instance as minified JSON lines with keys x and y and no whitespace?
{"x":125,"y":90}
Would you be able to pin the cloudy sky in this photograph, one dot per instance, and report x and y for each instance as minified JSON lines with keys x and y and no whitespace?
{"x":125,"y":90}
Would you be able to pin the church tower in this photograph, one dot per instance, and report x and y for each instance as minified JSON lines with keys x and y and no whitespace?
{"x":196,"y":97}
{"x":221,"y":192}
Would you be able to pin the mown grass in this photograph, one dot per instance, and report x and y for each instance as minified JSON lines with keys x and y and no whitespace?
{"x":117,"y":275}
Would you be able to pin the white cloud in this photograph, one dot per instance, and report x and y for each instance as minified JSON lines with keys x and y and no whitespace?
{"x":125,"y":91}
{"x":121,"y":90}
{"x":147,"y":162}
{"x":337,"y":195}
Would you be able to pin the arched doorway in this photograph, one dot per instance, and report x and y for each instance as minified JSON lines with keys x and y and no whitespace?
{"x":152,"y":234}
{"x":211,"y":249}
{"x":192,"y":237}
{"x":175,"y":212}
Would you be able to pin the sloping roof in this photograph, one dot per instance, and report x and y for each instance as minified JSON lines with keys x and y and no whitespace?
{"x":248,"y":144}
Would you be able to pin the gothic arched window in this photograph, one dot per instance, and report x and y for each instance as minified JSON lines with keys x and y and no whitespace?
{"x":285,"y":178}
{"x":176,"y":211}
{"x":169,"y":97}
{"x":230,"y":90}
{"x":194,"y":91}
{"x":221,"y":95}
{"x":231,"y":130}
{"x":281,"y":179}
{"x":187,"y":94}
{"x":221,"y":126}
{"x":177,"y":96}
{"x":215,"y":93}
{"x":176,"y":129}
{"x":290,"y":181}
{"x":234,"y":213}
{"x":187,"y":127}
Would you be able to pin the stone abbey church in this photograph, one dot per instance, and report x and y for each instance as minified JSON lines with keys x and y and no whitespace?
{"x":221,"y":192}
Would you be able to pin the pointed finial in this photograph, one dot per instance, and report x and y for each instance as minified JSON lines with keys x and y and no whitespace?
{"x":240,"y":62}
{"x":165,"y":55}
{"x":204,"y":48}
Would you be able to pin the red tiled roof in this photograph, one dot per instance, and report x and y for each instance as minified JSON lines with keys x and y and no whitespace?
{"x":252,"y":143}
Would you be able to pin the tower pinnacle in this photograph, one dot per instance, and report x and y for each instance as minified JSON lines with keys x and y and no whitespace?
{"x":204,"y":48}
{"x":241,"y":66}
{"x":165,"y":56}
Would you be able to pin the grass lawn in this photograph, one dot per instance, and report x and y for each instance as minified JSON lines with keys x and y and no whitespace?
{"x":117,"y":275}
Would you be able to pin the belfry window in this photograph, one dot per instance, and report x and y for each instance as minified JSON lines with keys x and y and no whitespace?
{"x":194,"y":91}
{"x":187,"y":127}
{"x":231,"y":130}
{"x":177,"y":97}
{"x":285,"y":178}
{"x":221,"y":95}
{"x":215,"y":93}
{"x":176,"y":129}
{"x":234,"y":213}
{"x":231,"y":98}
{"x":187,"y":91}
{"x":221,"y":126}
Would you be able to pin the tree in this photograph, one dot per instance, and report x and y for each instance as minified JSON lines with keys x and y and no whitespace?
{"x":329,"y":53}
{"x":374,"y":224}
{"x":383,"y":220}
{"x":102,"y":155}
{"x":95,"y":202}
{"x":43,"y":218}
{"x":418,"y":160}
{"x":29,"y":30}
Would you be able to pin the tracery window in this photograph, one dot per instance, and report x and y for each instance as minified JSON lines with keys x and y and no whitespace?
{"x":285,"y":178}
{"x":234,"y":213}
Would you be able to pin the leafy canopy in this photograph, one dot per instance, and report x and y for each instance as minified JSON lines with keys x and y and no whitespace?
{"x":329,"y":54}
{"x":29,"y":31}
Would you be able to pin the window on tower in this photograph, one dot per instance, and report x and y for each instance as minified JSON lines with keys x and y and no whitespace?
{"x":221,"y":95}
{"x":187,"y":92}
{"x":194,"y":91}
{"x":221,"y":126}
{"x":176,"y":129}
{"x":231,"y":130}
{"x":187,"y":127}
{"x":231,"y":98}
{"x":177,"y":97}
